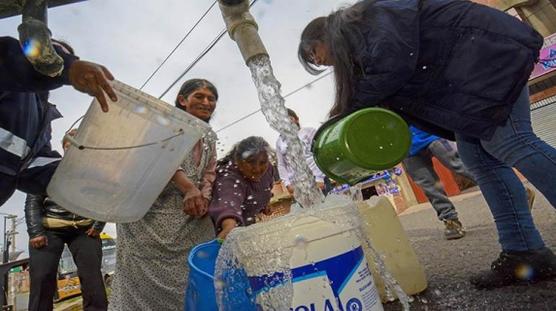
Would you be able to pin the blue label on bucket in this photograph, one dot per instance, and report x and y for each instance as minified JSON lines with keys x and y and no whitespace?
{"x":340,"y":283}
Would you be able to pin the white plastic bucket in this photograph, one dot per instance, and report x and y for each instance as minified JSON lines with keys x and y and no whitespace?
{"x":328,"y":266}
{"x":121,"y":184}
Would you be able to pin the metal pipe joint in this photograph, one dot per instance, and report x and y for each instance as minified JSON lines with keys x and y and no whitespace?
{"x":242,"y":28}
{"x":34,"y":37}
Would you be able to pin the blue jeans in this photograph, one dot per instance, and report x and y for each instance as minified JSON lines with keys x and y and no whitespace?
{"x":513,"y":145}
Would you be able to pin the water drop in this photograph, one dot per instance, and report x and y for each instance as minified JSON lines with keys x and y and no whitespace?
{"x":300,"y":241}
{"x":140,"y":109}
{"x":162,"y":120}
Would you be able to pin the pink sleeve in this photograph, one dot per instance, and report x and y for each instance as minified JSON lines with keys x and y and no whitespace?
{"x":210,"y":174}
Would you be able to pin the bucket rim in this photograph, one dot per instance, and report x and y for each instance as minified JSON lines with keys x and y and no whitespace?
{"x":326,"y":125}
{"x":161,"y":106}
{"x":194,"y":250}
{"x":300,"y":219}
{"x":358,"y":160}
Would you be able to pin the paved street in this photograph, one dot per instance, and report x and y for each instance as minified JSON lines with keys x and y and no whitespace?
{"x":448,"y":264}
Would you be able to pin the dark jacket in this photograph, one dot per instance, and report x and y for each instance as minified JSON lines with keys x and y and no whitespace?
{"x":234,"y":196}
{"x":445,"y":65}
{"x":25,"y":113}
{"x":38,"y":207}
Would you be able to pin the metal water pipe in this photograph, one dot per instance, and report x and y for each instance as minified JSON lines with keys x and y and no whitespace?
{"x":34,"y":35}
{"x":35,"y":38}
{"x":242,"y":28}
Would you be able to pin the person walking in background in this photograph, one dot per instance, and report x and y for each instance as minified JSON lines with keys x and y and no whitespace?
{"x":285,"y":168}
{"x":50,"y":227}
{"x":456,"y":69}
{"x":419,"y":166}
{"x":151,"y":265}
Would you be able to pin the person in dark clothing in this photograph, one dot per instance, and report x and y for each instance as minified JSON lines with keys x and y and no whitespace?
{"x":50,"y":226}
{"x":456,"y":69}
{"x":27,"y":161}
{"x":242,"y":189}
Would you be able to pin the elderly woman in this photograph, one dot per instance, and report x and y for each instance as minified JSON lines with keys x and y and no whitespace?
{"x":243,"y":185}
{"x":151,"y":269}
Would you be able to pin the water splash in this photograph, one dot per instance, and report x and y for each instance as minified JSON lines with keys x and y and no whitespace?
{"x":272,"y":105}
{"x":245,"y":242}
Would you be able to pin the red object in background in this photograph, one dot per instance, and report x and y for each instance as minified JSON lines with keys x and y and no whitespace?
{"x":446,"y":178}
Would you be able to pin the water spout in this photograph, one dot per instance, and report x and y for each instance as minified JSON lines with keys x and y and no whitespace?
{"x":34,"y":36}
{"x":243,"y":29}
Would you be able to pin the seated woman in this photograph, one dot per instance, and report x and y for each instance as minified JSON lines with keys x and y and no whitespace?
{"x":243,"y":185}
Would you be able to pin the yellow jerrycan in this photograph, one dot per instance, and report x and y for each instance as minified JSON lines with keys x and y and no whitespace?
{"x":383,"y":228}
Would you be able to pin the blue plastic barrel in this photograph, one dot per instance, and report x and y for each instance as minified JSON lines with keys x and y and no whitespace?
{"x":200,"y":294}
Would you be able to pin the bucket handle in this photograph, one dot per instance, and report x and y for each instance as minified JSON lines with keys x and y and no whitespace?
{"x":83,"y":147}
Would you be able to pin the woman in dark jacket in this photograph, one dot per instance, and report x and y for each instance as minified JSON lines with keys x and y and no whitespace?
{"x":459,"y":70}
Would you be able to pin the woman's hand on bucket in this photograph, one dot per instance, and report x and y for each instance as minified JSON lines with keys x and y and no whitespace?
{"x":92,"y":79}
{"x":228,"y":225}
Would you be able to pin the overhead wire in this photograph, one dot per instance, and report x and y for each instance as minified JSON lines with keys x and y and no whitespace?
{"x":199,"y":57}
{"x":285,"y":96}
{"x":179,"y":44}
{"x":194,"y":62}
{"x":205,"y":51}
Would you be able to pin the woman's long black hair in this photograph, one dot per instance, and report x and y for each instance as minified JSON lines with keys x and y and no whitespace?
{"x":341,"y":33}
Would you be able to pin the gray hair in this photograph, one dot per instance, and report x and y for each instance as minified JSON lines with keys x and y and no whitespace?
{"x":245,"y":149}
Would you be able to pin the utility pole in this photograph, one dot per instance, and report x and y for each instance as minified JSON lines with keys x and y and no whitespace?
{"x":5,"y":249}
{"x":11,"y":234}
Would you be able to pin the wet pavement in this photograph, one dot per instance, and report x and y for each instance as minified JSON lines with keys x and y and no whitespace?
{"x":449,"y":264}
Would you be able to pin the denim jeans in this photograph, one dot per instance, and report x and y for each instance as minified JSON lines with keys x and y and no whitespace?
{"x":513,"y":145}
{"x":420,"y":168}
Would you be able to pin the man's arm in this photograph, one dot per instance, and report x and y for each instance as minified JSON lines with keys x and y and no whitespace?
{"x":18,"y":75}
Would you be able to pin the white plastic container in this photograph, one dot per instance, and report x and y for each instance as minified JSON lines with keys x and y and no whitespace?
{"x":327,"y":262}
{"x":121,"y":184}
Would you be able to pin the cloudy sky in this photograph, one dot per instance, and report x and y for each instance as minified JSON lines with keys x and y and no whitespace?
{"x":132,"y":37}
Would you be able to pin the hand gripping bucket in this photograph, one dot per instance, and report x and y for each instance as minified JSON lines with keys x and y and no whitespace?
{"x":349,"y":149}
{"x":120,"y":161}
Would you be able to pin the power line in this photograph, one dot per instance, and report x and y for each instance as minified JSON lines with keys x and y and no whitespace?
{"x":198,"y":58}
{"x":285,"y":96}
{"x":178,"y":45}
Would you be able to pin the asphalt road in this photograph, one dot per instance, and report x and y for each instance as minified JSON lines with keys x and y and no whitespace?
{"x":449,"y":264}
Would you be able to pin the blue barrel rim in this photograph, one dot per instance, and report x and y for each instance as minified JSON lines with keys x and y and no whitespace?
{"x":192,"y":253}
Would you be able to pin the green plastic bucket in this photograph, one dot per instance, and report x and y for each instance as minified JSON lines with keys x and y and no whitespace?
{"x":351,"y":148}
